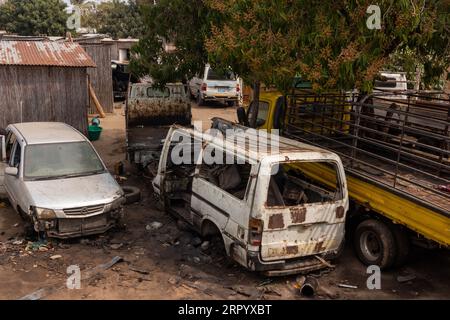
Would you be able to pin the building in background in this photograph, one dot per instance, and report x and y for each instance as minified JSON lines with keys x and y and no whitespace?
{"x":44,"y":81}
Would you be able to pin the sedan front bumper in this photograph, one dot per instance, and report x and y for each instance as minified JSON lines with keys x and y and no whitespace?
{"x":64,"y":228}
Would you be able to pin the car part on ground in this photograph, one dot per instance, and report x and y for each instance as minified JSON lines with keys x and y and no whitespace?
{"x":132,"y":194}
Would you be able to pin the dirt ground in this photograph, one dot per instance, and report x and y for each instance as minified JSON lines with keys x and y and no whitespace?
{"x":167,"y":263}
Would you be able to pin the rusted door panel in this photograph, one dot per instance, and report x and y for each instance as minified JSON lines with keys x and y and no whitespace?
{"x":301,"y":240}
{"x":212,"y":203}
{"x":303,"y":230}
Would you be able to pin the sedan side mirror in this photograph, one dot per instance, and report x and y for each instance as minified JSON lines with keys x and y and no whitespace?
{"x":11,"y":171}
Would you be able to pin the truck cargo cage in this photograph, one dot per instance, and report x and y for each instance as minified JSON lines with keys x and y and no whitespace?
{"x":398,"y":140}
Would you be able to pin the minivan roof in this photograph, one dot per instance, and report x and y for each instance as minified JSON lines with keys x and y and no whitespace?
{"x":257,"y":151}
{"x":47,"y":132}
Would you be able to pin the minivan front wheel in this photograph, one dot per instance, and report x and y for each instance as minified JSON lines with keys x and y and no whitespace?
{"x":374,"y":243}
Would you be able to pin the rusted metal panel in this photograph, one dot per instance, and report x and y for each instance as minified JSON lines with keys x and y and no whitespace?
{"x":276,"y":221}
{"x":298,"y":214}
{"x":44,"y":53}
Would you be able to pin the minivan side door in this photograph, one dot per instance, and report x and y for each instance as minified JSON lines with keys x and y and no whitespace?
{"x":220,"y":193}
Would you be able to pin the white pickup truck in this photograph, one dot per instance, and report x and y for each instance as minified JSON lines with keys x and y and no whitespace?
{"x":210,"y":85}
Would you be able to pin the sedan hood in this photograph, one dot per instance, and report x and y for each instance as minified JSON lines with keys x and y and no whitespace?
{"x":74,"y":192}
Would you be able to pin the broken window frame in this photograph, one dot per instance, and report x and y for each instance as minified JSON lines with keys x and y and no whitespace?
{"x":238,"y":160}
{"x":338,"y":194}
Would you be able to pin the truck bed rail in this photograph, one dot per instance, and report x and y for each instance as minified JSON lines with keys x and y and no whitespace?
{"x":398,"y":140}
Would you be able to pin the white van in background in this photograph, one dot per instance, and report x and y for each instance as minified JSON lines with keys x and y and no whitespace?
{"x":211,"y":85}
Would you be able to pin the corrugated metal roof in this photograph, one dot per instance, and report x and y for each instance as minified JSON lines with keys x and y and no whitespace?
{"x":44,"y":53}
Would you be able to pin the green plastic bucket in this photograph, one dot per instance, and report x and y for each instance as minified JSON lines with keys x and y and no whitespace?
{"x":94,"y":133}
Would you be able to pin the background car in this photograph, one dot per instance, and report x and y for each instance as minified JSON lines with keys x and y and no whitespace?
{"x":213,"y":85}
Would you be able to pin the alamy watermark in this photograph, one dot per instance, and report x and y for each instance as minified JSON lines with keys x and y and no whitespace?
{"x":73,"y":282}
{"x":373,"y":22}
{"x":220,"y":147}
{"x":74,"y":20}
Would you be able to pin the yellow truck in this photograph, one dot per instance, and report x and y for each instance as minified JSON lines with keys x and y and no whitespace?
{"x":396,"y":158}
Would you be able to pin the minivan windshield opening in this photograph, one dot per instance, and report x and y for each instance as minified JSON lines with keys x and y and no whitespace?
{"x":61,"y":160}
{"x":299,"y":183}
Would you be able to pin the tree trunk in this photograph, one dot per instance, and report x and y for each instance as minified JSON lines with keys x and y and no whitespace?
{"x":255,"y":102}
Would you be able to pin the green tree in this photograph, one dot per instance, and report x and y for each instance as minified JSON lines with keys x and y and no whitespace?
{"x":117,"y":18}
{"x":326,"y":42}
{"x":185,"y":24}
{"x":34,"y":17}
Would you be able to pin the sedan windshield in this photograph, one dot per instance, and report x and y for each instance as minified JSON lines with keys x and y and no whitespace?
{"x":61,"y":160}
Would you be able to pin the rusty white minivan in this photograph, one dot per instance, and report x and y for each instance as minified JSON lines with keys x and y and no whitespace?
{"x":272,"y":202}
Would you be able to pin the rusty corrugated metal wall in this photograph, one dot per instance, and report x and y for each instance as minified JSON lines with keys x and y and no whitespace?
{"x":100,"y":77}
{"x":43,"y":94}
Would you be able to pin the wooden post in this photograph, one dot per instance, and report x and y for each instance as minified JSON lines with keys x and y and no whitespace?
{"x":96,"y":102}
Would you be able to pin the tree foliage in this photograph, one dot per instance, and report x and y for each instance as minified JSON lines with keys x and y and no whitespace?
{"x":326,"y":42}
{"x":117,"y":18}
{"x":34,"y":17}
{"x":185,"y":24}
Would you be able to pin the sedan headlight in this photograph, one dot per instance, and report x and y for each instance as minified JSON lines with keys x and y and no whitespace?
{"x":45,"y":214}
{"x":116,"y":204}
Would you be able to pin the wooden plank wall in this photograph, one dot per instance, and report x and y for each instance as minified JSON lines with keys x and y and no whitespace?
{"x":100,"y":77}
{"x":43,"y":94}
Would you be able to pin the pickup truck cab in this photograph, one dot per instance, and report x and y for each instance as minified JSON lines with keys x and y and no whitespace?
{"x":56,"y":181}
{"x":272,"y":217}
{"x":210,"y":85}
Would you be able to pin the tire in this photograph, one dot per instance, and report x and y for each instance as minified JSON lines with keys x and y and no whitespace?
{"x":374,"y":243}
{"x":132,"y":194}
{"x":403,"y":245}
{"x":200,"y":101}
{"x":230,"y":103}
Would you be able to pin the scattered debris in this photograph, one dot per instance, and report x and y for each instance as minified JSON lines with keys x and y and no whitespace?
{"x":43,"y":292}
{"x":116,"y":246}
{"x":405,"y":278}
{"x":261,"y":284}
{"x":17,"y":242}
{"x":16,"y":225}
{"x":347,"y":286}
{"x":37,"y":246}
{"x":241,"y":290}
{"x":56,"y":256}
{"x":138,"y":269}
{"x":299,"y":281}
{"x":153,"y":226}
{"x":309,"y":287}
{"x":196,"y":241}
{"x":174,"y":280}
{"x":84,"y":241}
{"x":329,"y":265}
{"x":271,"y":291}
{"x":196,"y":260}
{"x":2,"y":205}
{"x":205,"y":245}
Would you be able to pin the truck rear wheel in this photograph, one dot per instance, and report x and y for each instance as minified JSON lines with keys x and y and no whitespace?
{"x":374,"y":243}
